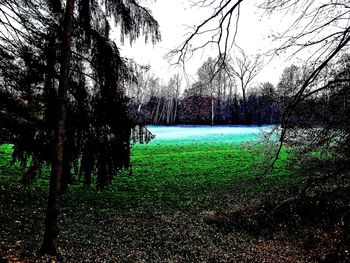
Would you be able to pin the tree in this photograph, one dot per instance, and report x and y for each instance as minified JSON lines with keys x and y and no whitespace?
{"x":90,"y":81}
{"x":288,"y":85}
{"x":172,"y":98}
{"x":196,"y":106}
{"x":51,"y":225}
{"x":245,"y":69}
{"x":270,"y":106}
{"x":206,"y":74}
{"x":324,"y":118}
{"x":177,"y":85}
{"x":325,"y":34}
{"x":132,"y":17}
{"x":289,"y":82}
{"x":139,"y":92}
{"x":215,"y":30}
{"x":216,"y":82}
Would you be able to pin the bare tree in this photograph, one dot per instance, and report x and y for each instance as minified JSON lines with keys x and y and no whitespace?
{"x":168,"y":96}
{"x":206,"y":74}
{"x":245,"y":69}
{"x":140,"y":91}
{"x":320,"y":29}
{"x":217,"y":83}
{"x":219,"y":29}
{"x":176,"y":96}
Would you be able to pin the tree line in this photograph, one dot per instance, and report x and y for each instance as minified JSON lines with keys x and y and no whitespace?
{"x":223,"y":95}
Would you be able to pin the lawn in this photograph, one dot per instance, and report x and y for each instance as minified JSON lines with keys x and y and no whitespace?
{"x":152,"y":213}
{"x":189,"y":171}
{"x":184,"y":169}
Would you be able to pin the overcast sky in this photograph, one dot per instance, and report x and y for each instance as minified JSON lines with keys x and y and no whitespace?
{"x":174,"y":17}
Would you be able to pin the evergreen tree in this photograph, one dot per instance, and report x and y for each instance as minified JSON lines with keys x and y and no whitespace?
{"x":62,"y":87}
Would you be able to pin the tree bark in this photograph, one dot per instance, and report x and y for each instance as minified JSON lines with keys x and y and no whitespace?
{"x":212,"y":110}
{"x":244,"y":112}
{"x":49,"y":245}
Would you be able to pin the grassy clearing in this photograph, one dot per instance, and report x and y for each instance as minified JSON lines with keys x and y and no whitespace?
{"x":153,"y":214}
{"x":188,"y":176}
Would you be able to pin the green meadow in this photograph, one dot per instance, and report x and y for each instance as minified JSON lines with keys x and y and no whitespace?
{"x":200,"y":169}
{"x":153,"y":213}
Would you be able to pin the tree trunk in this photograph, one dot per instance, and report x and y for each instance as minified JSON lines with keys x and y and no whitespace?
{"x":212,"y":110}
{"x":157,"y":112}
{"x":66,"y":177}
{"x":49,"y":245}
{"x":176,"y":100}
{"x":244,"y":111}
{"x":175,"y":111}
{"x":243,"y":93}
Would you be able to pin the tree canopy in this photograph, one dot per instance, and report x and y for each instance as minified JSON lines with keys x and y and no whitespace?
{"x":98,"y":120}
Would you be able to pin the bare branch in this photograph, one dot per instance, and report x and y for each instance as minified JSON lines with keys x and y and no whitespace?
{"x":223,"y":12}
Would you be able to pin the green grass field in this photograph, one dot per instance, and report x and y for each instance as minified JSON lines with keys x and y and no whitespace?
{"x":187,"y":174}
{"x":153,"y":214}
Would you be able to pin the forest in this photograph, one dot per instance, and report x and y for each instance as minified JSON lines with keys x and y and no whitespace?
{"x":103,"y":159}
{"x":216,"y":98}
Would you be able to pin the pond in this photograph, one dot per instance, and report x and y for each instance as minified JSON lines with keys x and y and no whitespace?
{"x":206,"y":134}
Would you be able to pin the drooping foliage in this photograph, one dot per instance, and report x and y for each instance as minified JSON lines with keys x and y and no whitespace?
{"x":98,"y":122}
{"x":324,"y":123}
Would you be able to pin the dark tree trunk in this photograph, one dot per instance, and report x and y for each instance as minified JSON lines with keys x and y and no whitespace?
{"x":49,"y":245}
{"x":244,"y":108}
{"x":66,"y":178}
{"x":31,"y":173}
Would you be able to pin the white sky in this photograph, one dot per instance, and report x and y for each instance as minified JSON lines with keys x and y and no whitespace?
{"x":173,"y":17}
